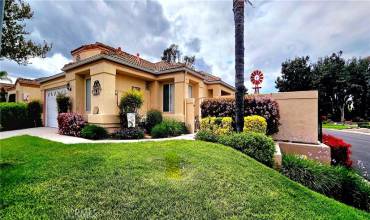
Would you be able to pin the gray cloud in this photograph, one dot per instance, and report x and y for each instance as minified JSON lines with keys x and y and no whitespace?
{"x":274,"y":31}
{"x":193,"y":45}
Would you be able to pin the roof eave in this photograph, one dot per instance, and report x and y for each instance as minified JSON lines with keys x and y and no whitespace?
{"x":107,"y":57}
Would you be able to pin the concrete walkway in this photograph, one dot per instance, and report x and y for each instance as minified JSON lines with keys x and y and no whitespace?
{"x":52,"y":134}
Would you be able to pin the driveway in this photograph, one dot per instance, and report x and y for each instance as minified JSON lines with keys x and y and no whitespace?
{"x":52,"y":134}
{"x":360,"y":147}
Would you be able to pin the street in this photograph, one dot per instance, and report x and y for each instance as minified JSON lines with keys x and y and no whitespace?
{"x":360,"y":148}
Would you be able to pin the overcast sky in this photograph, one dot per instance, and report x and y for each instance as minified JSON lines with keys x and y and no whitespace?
{"x":274,"y":31}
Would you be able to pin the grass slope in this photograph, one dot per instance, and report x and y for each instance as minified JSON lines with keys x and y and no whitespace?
{"x":172,"y":179}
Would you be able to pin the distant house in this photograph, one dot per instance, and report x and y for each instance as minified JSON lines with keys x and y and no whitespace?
{"x":100,"y":74}
{"x":24,"y":90}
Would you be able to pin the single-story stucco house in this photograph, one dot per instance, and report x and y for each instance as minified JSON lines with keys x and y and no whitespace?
{"x":24,"y":90}
{"x":100,"y":74}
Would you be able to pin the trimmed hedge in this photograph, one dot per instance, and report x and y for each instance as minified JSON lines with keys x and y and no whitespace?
{"x":34,"y":110}
{"x":153,"y":117}
{"x":218,"y":126}
{"x":20,"y":115}
{"x":255,"y":145}
{"x":255,"y":123}
{"x":94,"y":132}
{"x":169,"y":128}
{"x":129,"y":133}
{"x":70,"y":124}
{"x":13,"y":116}
{"x":337,"y":182}
{"x":254,"y":105}
{"x":340,"y":150}
{"x":206,"y":135}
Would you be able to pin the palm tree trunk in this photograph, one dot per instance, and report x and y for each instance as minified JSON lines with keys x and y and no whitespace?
{"x":238,"y":8}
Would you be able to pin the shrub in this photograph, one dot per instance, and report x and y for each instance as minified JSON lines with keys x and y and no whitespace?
{"x":34,"y":110}
{"x":70,"y":124}
{"x":363,"y":124}
{"x":337,"y":182}
{"x":169,"y":128}
{"x":205,"y":135}
{"x":218,"y":126}
{"x":130,"y":102}
{"x":129,"y":133}
{"x":254,"y":105}
{"x":153,"y":117}
{"x":94,"y":132}
{"x":13,"y":116}
{"x":255,"y":123}
{"x":255,"y":145}
{"x":340,"y":150}
{"x":64,"y":103}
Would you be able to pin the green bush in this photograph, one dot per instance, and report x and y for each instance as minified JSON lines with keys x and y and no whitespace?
{"x":337,"y":182}
{"x":205,"y":135}
{"x":34,"y":110}
{"x":169,"y":128}
{"x":129,"y":133}
{"x":363,"y":124}
{"x":255,"y":145}
{"x":131,"y":101}
{"x":153,"y":117}
{"x":13,"y":116}
{"x":264,"y":106}
{"x":94,"y":132}
{"x":217,"y":125}
{"x":64,"y":103}
{"x":255,"y":123}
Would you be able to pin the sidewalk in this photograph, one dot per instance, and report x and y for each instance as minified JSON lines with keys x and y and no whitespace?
{"x":52,"y":134}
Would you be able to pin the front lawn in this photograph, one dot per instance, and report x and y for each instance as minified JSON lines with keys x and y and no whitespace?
{"x":171,"y":179}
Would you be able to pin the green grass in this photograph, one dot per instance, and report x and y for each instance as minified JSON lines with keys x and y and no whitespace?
{"x":171,"y":179}
{"x":335,"y":126}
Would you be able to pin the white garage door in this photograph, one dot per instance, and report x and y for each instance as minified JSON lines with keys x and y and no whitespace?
{"x":51,"y":106}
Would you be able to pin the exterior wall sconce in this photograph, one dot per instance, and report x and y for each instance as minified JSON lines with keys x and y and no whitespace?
{"x":68,"y":86}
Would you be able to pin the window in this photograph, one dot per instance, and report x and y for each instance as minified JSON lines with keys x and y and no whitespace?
{"x":190,"y":91}
{"x":88,"y":95}
{"x":168,"y":97}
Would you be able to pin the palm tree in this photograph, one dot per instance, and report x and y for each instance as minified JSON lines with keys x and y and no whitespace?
{"x":4,"y":76}
{"x":238,"y":9}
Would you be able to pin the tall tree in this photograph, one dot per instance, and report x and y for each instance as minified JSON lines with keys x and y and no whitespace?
{"x":334,"y":86}
{"x":4,"y":76}
{"x":296,"y":75}
{"x":14,"y":45}
{"x":189,"y":60}
{"x":171,"y":54}
{"x":357,"y":69}
{"x":238,"y":9}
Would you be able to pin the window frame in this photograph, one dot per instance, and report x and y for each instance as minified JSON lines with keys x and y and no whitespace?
{"x":171,"y":90}
{"x":87,"y":102}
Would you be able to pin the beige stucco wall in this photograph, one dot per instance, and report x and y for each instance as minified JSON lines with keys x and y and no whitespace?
{"x":86,"y":54}
{"x":298,"y":116}
{"x":21,"y":91}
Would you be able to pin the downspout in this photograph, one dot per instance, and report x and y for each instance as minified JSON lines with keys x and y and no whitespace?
{"x":185,"y":113}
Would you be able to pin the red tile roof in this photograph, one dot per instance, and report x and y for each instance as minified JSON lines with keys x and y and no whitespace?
{"x":136,"y":61}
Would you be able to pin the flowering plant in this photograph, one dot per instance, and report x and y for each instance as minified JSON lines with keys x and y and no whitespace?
{"x":340,"y":150}
{"x":70,"y":124}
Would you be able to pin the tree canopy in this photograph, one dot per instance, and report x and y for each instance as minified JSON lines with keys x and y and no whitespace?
{"x":14,"y":45}
{"x":343,"y":85}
